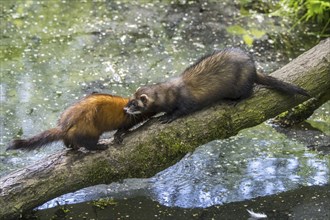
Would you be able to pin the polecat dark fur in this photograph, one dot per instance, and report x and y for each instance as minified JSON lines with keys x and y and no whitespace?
{"x":226,"y":74}
{"x":81,"y":124}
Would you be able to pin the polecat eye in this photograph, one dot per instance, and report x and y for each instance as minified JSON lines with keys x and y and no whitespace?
{"x":144,"y":98}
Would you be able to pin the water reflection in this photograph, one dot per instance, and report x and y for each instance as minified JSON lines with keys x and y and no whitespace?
{"x":204,"y":179}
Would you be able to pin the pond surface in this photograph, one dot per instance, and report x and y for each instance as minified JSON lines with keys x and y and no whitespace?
{"x":54,"y":52}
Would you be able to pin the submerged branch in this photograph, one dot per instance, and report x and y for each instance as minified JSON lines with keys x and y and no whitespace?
{"x":154,"y":146}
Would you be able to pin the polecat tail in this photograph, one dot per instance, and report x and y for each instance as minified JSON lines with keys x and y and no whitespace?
{"x":48,"y":136}
{"x":280,"y":85}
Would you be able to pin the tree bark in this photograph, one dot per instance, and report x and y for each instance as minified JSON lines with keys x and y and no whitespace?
{"x":154,"y":146}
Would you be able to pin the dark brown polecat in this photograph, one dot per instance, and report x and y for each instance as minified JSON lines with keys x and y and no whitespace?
{"x":81,"y":124}
{"x":226,"y":74}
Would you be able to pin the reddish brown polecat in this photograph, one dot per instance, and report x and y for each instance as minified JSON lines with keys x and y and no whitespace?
{"x":226,"y":74}
{"x":81,"y":124}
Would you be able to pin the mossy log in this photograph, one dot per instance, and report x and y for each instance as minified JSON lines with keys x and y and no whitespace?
{"x":155,"y":146}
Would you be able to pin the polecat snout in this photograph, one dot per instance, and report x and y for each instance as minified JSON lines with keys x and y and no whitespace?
{"x":81,"y":124}
{"x":226,"y":74}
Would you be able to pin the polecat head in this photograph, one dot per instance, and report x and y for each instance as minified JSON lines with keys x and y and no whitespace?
{"x":141,"y":102}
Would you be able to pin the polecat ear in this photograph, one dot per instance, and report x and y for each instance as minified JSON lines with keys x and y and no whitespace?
{"x":144,"y":98}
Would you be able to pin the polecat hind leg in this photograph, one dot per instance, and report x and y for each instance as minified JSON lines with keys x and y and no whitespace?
{"x":89,"y":142}
{"x":70,"y":145}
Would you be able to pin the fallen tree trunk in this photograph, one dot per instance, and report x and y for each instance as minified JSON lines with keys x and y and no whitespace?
{"x":154,"y":146}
